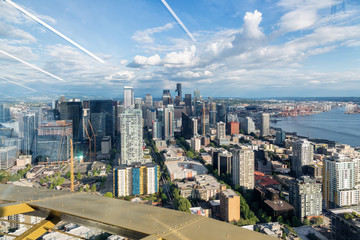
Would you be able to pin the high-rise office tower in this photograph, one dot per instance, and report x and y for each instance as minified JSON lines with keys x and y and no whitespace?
{"x":4,"y":113}
{"x":197,"y":95}
{"x":129,"y":97}
{"x":157,"y":129}
{"x":148,"y":101}
{"x":303,"y":155}
{"x":166,"y":97}
{"x":306,"y":197}
{"x":280,"y":137}
{"x":179,"y":90}
{"x":102,"y":119}
{"x":168,"y":122}
{"x":248,"y":125}
{"x":265,"y":125}
{"x":71,"y":110}
{"x":243,"y":167}
{"x":138,"y":103}
{"x":188,"y":105}
{"x":131,"y":136}
{"x":221,"y":112}
{"x":30,"y":133}
{"x":150,"y":117}
{"x":339,"y":185}
{"x":213,"y":114}
{"x":189,"y":126}
{"x":53,"y":142}
{"x":221,"y":130}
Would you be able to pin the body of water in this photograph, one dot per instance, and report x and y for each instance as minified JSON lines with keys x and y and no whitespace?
{"x":333,"y":125}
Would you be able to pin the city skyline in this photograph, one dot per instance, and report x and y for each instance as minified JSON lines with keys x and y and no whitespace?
{"x":241,"y":49}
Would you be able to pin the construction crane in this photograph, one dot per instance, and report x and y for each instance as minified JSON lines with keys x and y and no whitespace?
{"x":92,"y":130}
{"x":203,"y":110}
{"x":72,"y":166}
{"x":87,"y":133}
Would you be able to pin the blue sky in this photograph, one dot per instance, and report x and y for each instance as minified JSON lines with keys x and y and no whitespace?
{"x":253,"y":48}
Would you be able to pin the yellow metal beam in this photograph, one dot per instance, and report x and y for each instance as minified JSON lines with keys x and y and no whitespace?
{"x":14,"y":208}
{"x":39,"y":229}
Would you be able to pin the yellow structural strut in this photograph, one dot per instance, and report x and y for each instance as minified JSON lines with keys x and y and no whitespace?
{"x":14,"y":208}
{"x":39,"y":229}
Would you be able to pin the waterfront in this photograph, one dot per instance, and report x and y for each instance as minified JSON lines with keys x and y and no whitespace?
{"x":333,"y":125}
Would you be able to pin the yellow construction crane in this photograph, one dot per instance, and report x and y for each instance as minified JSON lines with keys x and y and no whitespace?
{"x":72,"y":166}
{"x":87,"y":133}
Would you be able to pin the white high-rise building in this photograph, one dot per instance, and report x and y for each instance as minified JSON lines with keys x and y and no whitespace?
{"x":221,"y":130}
{"x":131,"y":136}
{"x":339,"y":185}
{"x":129,"y":97}
{"x":265,"y":125}
{"x":303,"y":154}
{"x":243,"y":167}
{"x":248,"y":125}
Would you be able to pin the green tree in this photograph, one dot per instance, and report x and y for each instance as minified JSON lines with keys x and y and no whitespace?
{"x":87,"y":189}
{"x":42,"y":181}
{"x":183,"y":204}
{"x":93,"y":188}
{"x":280,"y":219}
{"x":108,"y":167}
{"x":68,"y":174}
{"x":78,"y":176}
{"x":307,"y":221}
{"x":295,"y":221}
{"x":81,"y":189}
{"x":163,"y":197}
{"x":108,"y":194}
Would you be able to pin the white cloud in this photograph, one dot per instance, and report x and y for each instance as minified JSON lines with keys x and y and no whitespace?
{"x":184,"y":58}
{"x":251,"y":25}
{"x":192,"y":75}
{"x":146,"y":36}
{"x":141,"y":61}
{"x":124,"y":75}
{"x":7,"y":31}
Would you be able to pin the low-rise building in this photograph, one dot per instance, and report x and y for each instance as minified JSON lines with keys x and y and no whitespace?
{"x":184,"y":169}
{"x":345,"y":224}
{"x":202,"y":187}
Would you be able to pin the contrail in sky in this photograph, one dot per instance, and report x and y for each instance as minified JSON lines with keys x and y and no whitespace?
{"x":178,"y":20}
{"x":31,"y":65}
{"x":53,"y":30}
{"x":23,"y":86}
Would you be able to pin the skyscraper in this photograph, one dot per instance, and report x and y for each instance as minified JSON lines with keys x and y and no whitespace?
{"x":303,"y":155}
{"x":71,"y":110}
{"x":243,"y":167}
{"x":179,"y":91}
{"x":30,"y":133}
{"x":221,"y":130}
{"x":129,"y":97}
{"x":148,"y":101}
{"x":306,"y":197}
{"x":280,"y":137}
{"x":265,"y":125}
{"x":166,"y":97}
{"x":339,"y":185}
{"x":247,"y":124}
{"x":4,"y":113}
{"x":187,"y":101}
{"x":131,"y":136}
{"x":168,"y":122}
{"x":102,"y":119}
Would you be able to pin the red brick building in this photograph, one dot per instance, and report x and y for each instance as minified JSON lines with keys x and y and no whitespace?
{"x":233,"y":128}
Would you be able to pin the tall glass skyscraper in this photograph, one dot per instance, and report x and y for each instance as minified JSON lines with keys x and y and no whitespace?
{"x":4,"y":113}
{"x":102,"y":118}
